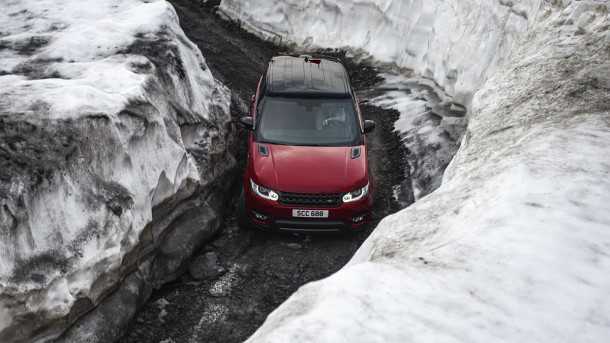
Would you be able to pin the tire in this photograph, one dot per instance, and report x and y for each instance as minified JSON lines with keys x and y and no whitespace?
{"x":242,"y":218}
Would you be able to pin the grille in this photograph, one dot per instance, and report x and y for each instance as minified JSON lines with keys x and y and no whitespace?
{"x":323,"y":200}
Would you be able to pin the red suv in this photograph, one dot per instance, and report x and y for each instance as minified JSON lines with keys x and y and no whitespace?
{"x":307,"y":168}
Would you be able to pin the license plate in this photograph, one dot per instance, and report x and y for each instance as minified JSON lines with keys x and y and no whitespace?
{"x":310,"y":213}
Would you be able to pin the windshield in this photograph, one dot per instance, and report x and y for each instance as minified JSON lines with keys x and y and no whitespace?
{"x":312,"y":122}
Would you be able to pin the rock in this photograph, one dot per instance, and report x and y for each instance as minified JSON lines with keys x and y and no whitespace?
{"x":109,"y":320}
{"x":193,"y":227}
{"x":457,"y":110}
{"x":206,"y":267}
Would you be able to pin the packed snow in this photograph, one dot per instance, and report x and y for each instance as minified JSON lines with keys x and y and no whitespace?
{"x":95,"y":97}
{"x":513,"y":246}
{"x":430,"y":126}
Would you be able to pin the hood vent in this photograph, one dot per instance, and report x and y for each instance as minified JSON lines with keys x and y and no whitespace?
{"x":356,"y":152}
{"x":263,"y":150}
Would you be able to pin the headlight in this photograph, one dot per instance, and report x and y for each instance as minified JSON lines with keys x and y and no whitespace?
{"x":357,"y":194}
{"x":264,"y":192}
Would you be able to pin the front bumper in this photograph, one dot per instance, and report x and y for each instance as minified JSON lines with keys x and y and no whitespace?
{"x":347,"y":217}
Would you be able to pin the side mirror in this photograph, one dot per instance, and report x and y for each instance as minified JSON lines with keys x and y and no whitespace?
{"x":247,"y":122}
{"x":369,"y":126}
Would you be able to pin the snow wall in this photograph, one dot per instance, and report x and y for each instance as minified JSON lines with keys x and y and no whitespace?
{"x":113,"y":134}
{"x":513,"y":246}
{"x":456,"y":43}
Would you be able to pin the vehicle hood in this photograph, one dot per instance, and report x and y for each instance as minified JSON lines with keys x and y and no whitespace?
{"x":305,"y":169}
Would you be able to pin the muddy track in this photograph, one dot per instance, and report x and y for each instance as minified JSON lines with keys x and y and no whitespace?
{"x":239,"y":278}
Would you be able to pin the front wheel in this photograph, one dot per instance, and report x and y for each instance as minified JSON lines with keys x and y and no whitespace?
{"x":242,"y":218}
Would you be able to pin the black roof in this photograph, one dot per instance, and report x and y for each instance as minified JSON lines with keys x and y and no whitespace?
{"x":306,"y":76}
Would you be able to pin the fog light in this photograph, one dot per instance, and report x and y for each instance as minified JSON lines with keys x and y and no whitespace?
{"x":259,"y":216}
{"x":358,"y":219}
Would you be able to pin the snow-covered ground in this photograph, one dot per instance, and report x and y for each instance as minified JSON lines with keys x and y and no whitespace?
{"x":106,"y":111}
{"x":513,"y":246}
{"x":430,"y":126}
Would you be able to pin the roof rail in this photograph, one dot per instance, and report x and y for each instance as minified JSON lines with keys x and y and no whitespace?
{"x":308,"y":57}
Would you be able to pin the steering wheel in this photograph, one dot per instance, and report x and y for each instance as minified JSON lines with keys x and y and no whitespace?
{"x":333,"y":122}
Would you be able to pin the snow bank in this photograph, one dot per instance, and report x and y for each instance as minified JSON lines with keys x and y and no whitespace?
{"x":513,"y":247}
{"x":430,"y":126}
{"x":108,"y":114}
{"x":457,"y":43}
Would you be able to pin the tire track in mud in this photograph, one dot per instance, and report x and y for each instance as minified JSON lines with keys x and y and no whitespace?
{"x":237,"y":279}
